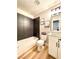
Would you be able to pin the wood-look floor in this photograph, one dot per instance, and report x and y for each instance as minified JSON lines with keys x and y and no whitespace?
{"x":34,"y":54}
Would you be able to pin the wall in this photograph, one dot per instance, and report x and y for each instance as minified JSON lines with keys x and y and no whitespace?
{"x":24,"y":27}
{"x":47,"y":16}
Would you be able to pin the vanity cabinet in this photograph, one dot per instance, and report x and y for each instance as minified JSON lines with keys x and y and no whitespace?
{"x":55,"y":36}
{"x":54,"y":45}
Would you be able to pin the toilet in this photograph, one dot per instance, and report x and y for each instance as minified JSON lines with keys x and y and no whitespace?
{"x":40,"y":45}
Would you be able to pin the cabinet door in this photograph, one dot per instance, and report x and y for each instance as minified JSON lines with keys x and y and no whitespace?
{"x":53,"y":46}
{"x":59,"y":50}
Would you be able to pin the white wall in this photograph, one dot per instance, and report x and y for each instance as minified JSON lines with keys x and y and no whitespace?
{"x":46,"y":15}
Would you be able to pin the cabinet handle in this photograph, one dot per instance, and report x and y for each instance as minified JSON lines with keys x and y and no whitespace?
{"x":59,"y":39}
{"x":56,"y":44}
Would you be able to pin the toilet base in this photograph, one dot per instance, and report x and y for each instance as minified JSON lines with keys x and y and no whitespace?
{"x":40,"y":48}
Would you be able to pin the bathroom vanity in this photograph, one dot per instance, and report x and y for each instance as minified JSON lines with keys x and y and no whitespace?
{"x":54,"y":37}
{"x":54,"y":45}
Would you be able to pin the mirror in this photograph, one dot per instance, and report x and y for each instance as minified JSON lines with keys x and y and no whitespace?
{"x":55,"y":22}
{"x":55,"y":19}
{"x":56,"y":25}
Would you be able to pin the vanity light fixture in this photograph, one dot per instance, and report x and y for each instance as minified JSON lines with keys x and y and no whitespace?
{"x":55,"y":11}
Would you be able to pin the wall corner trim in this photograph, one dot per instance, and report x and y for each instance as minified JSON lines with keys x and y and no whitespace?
{"x":24,"y":13}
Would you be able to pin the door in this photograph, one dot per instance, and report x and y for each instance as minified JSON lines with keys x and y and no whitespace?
{"x":36,"y":30}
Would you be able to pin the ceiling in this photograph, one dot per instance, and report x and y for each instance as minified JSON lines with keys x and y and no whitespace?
{"x":33,"y":9}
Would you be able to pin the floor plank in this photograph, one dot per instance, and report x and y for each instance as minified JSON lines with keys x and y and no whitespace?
{"x":43,"y":54}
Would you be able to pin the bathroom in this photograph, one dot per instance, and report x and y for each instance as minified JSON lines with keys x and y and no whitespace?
{"x":38,"y":29}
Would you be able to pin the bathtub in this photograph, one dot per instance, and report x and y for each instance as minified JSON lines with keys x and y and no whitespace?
{"x":25,"y":44}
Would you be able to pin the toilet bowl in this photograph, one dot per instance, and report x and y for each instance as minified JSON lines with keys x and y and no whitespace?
{"x":40,"y":44}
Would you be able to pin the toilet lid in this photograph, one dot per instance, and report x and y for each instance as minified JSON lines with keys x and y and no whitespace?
{"x":40,"y":42}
